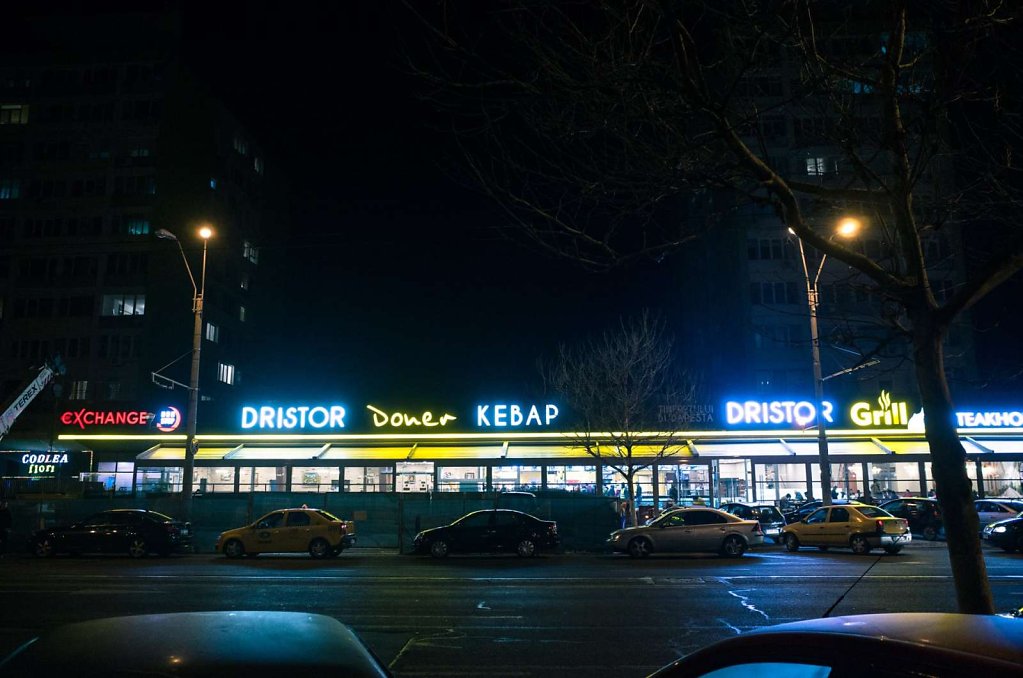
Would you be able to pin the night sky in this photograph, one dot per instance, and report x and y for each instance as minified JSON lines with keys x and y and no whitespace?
{"x":395,"y":280}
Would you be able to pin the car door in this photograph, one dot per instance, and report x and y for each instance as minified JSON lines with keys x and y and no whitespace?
{"x":89,"y":535}
{"x":707,"y":530}
{"x":838,"y":527}
{"x":673,"y":533}
{"x":988,"y":512}
{"x":471,"y":534}
{"x":813,"y":528}
{"x":297,"y":532}
{"x":119,"y":529}
{"x":507,"y":531}
{"x":265,"y":534}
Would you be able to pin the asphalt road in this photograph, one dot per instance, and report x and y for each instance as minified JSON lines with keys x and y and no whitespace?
{"x":557,"y":615}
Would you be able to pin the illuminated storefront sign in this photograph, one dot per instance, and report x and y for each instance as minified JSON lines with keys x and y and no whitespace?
{"x":501,"y":415}
{"x":1004,"y":419}
{"x":38,"y":464}
{"x":168,"y":419}
{"x":381,"y":418}
{"x":799,"y":413}
{"x":887,"y":413}
{"x":295,"y":417}
{"x":83,"y":418}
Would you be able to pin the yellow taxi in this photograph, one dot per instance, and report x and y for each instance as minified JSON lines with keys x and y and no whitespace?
{"x":290,"y":531}
{"x":850,"y":525}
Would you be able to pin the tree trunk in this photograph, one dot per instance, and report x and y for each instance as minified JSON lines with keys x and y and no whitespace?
{"x":948,"y":462}
{"x":631,"y":478}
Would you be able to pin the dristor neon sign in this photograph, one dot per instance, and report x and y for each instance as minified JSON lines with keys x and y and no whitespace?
{"x":295,"y":417}
{"x":798,"y":413}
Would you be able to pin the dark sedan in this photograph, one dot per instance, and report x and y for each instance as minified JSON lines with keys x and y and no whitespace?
{"x":497,"y":530}
{"x":136,"y":532}
{"x":1006,"y":534}
{"x":923,"y":514}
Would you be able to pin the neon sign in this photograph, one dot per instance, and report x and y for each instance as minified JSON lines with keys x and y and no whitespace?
{"x":296,"y":417}
{"x":1010,"y":419}
{"x":43,"y":463}
{"x":167,"y":420}
{"x":799,"y":413}
{"x":83,"y":418}
{"x":501,"y":415}
{"x":381,"y":418}
{"x":888,"y":413}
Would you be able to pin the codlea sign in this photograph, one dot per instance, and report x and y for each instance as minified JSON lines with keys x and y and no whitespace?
{"x":42,"y":463}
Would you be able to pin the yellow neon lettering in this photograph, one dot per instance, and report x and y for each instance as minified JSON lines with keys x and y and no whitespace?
{"x":860,"y":414}
{"x":399,"y":419}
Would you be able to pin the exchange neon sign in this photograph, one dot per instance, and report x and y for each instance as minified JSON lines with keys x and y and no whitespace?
{"x":799,"y":413}
{"x":295,"y":417}
{"x":83,"y":418}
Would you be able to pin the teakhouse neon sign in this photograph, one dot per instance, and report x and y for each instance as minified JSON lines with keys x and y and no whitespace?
{"x":797,"y":413}
{"x":269,"y":418}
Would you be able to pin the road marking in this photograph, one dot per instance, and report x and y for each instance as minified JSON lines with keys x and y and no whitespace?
{"x":482,"y":605}
{"x":748,"y":605}
{"x":737,"y":631}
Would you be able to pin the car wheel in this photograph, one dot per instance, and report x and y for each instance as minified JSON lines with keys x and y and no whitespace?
{"x":439,"y":548}
{"x":640,"y":548}
{"x":791,"y":542}
{"x":44,"y":548}
{"x":234,"y":549}
{"x":319,"y":548}
{"x":138,"y":548}
{"x":733,"y":547}
{"x":892,"y":550}
{"x":930,"y":533}
{"x":859,"y":545}
{"x":526,"y":548}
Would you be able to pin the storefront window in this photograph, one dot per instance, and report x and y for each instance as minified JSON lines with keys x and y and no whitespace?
{"x":414,"y":476}
{"x":1002,"y":479}
{"x":901,"y":479}
{"x":846,"y":482}
{"x":509,"y":478}
{"x":462,"y":479}
{"x":213,"y":479}
{"x":572,"y":478}
{"x":680,"y":483}
{"x":263,"y":479}
{"x":733,"y":480}
{"x":115,"y":477}
{"x":158,"y":480}
{"x":781,"y":484}
{"x":315,"y":479}
{"x":369,"y":479}
{"x":615,"y":485}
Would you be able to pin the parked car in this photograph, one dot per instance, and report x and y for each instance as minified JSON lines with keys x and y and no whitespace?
{"x":806,"y":508}
{"x":923,"y":514}
{"x":136,"y":532}
{"x":290,"y":531}
{"x":689,"y":530}
{"x":1006,"y":534}
{"x":193,"y":644}
{"x":897,"y":644}
{"x":494,"y":530}
{"x":770,"y":518}
{"x":856,"y":526}
{"x":993,"y":510}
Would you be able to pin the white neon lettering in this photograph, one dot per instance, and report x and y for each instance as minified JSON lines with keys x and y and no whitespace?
{"x":533,"y":416}
{"x":249,"y":417}
{"x":318,"y":417}
{"x":481,"y":415}
{"x":337,"y":416}
{"x":500,"y":415}
{"x":516,"y":415}
{"x":551,"y":412}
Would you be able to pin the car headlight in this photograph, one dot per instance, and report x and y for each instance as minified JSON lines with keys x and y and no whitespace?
{"x":617,"y":536}
{"x":1000,"y":528}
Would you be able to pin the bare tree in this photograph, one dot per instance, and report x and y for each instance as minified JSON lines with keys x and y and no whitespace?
{"x":616,"y":385}
{"x":614,"y":130}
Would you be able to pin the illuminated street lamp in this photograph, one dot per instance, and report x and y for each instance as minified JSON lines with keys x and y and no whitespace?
{"x":847,"y":227}
{"x":193,"y":382}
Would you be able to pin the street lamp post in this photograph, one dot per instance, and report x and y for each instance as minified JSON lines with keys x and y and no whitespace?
{"x":198,"y":291}
{"x":847,"y":228}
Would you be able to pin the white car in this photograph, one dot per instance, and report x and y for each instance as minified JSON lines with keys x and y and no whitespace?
{"x":689,"y":530}
{"x":992,"y":510}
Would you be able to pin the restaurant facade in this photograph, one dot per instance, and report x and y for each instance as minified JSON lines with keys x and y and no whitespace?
{"x":738,"y":450}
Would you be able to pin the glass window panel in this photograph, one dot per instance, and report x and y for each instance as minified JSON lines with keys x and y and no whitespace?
{"x":214,"y":479}
{"x":462,"y":479}
{"x":315,"y":479}
{"x":369,"y":479}
{"x":263,"y":479}
{"x":414,"y":476}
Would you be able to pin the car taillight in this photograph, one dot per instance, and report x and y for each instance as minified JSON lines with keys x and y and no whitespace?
{"x":880,"y":526}
{"x":553,"y":528}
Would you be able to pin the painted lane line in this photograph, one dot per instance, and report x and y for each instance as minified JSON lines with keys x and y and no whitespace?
{"x":748,"y":605}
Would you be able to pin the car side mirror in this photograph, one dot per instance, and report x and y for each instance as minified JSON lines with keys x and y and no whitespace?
{"x":804,"y":520}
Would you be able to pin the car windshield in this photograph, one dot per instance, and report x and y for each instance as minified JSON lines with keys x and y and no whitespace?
{"x":874,"y":512}
{"x":161,"y":517}
{"x":328,"y":516}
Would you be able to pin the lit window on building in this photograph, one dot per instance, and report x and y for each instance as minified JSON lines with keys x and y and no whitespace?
{"x":13,"y":114}
{"x":124,"y":304}
{"x":241,"y":313}
{"x":139,"y":152}
{"x":225,"y":373}
{"x":138,"y":226}
{"x":244,"y":281}
{"x":212,"y":333}
{"x":213,"y":183}
{"x":250,"y":252}
{"x":10,"y":189}
{"x":257,"y":165}
{"x":79,"y":390}
{"x":241,"y":146}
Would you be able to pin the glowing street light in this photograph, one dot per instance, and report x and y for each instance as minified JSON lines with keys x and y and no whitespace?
{"x":198,"y":291}
{"x":847,"y":227}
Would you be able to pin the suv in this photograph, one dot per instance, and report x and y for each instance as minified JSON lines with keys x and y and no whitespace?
{"x":770,"y":518}
{"x":924,"y":515}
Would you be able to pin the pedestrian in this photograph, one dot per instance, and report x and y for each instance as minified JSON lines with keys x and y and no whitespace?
{"x":624,"y":508}
{"x":6,"y":521}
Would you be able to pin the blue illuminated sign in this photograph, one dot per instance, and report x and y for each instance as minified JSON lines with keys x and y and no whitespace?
{"x":794,"y":413}
{"x":295,"y":417}
{"x":503,"y":415}
{"x":1003,"y":419}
